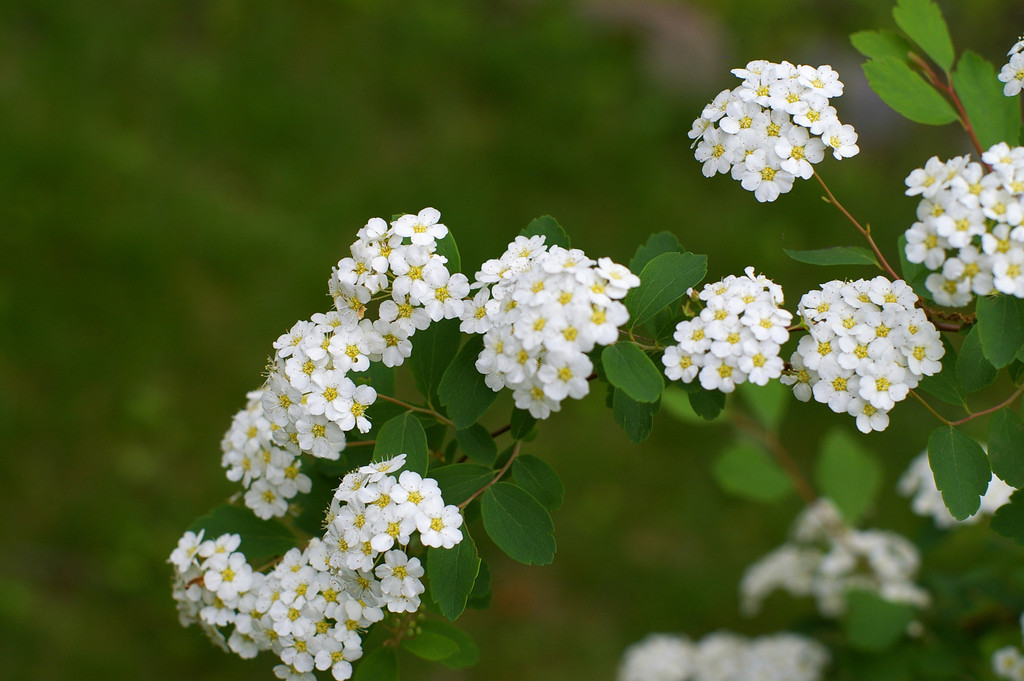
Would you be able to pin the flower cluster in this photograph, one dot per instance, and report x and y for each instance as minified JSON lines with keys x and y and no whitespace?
{"x":311,"y":607}
{"x":918,"y":482}
{"x":724,"y":656}
{"x":825,"y":559}
{"x":735,"y":338}
{"x":969,"y":225}
{"x":867,"y":347}
{"x":1012,"y":72}
{"x":540,"y":310}
{"x":773,"y":127}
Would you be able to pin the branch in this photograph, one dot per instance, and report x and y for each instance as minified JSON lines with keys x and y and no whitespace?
{"x":504,"y":469}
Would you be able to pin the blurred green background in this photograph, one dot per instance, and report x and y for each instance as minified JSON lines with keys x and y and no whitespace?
{"x":177,"y":179}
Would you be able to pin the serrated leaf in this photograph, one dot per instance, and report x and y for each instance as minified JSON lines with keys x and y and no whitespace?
{"x":663,"y":281}
{"x":521,"y":424}
{"x":994,"y":117}
{"x":848,"y":475}
{"x":922,"y":21}
{"x":629,"y":369}
{"x":462,"y":389}
{"x":1008,"y":520}
{"x":656,"y":244}
{"x":881,"y":45}
{"x":837,"y":255}
{"x":945,"y":385}
{"x":539,"y":479}
{"x":913,"y":273}
{"x":467,"y":654}
{"x":975,"y":372}
{"x":748,"y":472}
{"x":478,"y":444}
{"x":873,"y":623}
{"x":460,"y":481}
{"x":452,"y":574}
{"x":518,"y":524}
{"x":1006,"y":446}
{"x":433,"y":350}
{"x":961,"y":470}
{"x":449,"y":249}
{"x":767,"y":403}
{"x":378,"y":665}
{"x":403,"y":434}
{"x":707,"y":404}
{"x":907,"y":92}
{"x":1001,"y":325}
{"x":636,"y":418}
{"x":260,"y":538}
{"x":549,"y":228}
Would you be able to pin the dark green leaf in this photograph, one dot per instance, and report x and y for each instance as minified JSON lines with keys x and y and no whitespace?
{"x":538,"y":478}
{"x":1008,"y":519}
{"x":663,"y":325}
{"x":663,"y":281}
{"x":767,"y":403}
{"x":707,"y":404}
{"x":848,"y":475}
{"x":636,"y":418}
{"x":452,"y":574}
{"x":460,"y":481}
{"x":913,"y":273}
{"x":1001,"y":325}
{"x":907,"y":92}
{"x":403,"y":435}
{"x":628,"y":368}
{"x":994,"y":116}
{"x":522,"y":424}
{"x":922,"y":21}
{"x":260,"y":538}
{"x":382,"y":378}
{"x":478,"y":444}
{"x":462,"y":390}
{"x":873,"y":623}
{"x":880,"y":45}
{"x":480,"y":597}
{"x":974,"y":370}
{"x":1006,"y":446}
{"x":449,"y":249}
{"x":1016,"y":370}
{"x":467,"y":654}
{"x":379,"y":665}
{"x":430,"y":645}
{"x":676,"y":402}
{"x":961,"y":470}
{"x":748,"y":472}
{"x":433,"y":350}
{"x":945,"y":385}
{"x":518,"y":524}
{"x":549,"y":228}
{"x":837,"y":255}
{"x":656,"y":244}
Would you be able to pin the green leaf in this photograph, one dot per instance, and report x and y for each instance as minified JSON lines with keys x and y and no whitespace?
{"x":449,"y":249}
{"x":945,"y":385}
{"x":478,"y":444}
{"x":382,"y":378}
{"x":636,"y":418}
{"x":767,"y":403}
{"x":1001,"y":325}
{"x":462,"y":389}
{"x":676,"y":402}
{"x":460,"y":481}
{"x":467,"y":654}
{"x":1016,"y":371}
{"x":403,"y":435}
{"x":975,"y":372}
{"x":656,"y":244}
{"x":907,"y":92}
{"x":480,"y":596}
{"x":873,"y":623}
{"x":522,"y":424}
{"x":837,"y":255}
{"x":518,"y":524}
{"x":961,"y":470}
{"x":922,"y":21}
{"x":1006,"y":446}
{"x":708,"y":404}
{"x":260,"y":538}
{"x":549,"y":228}
{"x":539,"y":479}
{"x":748,"y":472}
{"x":881,"y":45}
{"x":628,"y":368}
{"x":430,"y":645}
{"x":1008,"y":519}
{"x":848,"y":475}
{"x":662,"y":326}
{"x":994,"y":117}
{"x":379,"y":665}
{"x":452,"y":574}
{"x":913,"y":273}
{"x":434,"y":348}
{"x":663,"y":281}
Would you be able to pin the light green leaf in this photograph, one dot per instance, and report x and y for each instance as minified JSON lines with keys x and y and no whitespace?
{"x":403,"y":434}
{"x":767,"y":402}
{"x":379,"y":665}
{"x":1001,"y":325}
{"x":628,"y":368}
{"x":961,"y":470}
{"x":922,"y":21}
{"x":907,"y":92}
{"x":873,"y":623}
{"x":1008,"y":519}
{"x":994,"y":116}
{"x":467,"y":654}
{"x":880,"y":45}
{"x":434,"y":348}
{"x":518,"y":524}
{"x":452,"y":574}
{"x":636,"y":418}
{"x":663,"y":281}
{"x":676,"y":402}
{"x":656,"y":244}
{"x":539,"y":479}
{"x":945,"y":385}
{"x":975,"y":372}
{"x":430,"y":645}
{"x":478,"y":444}
{"x":848,"y":475}
{"x":460,"y":481}
{"x":747,"y":471}
{"x":837,"y":255}
{"x":1006,"y":446}
{"x":449,"y":249}
{"x":462,"y":389}
{"x":549,"y":228}
{"x":260,"y":538}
